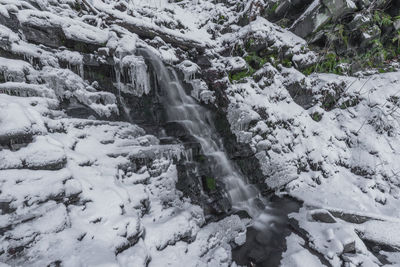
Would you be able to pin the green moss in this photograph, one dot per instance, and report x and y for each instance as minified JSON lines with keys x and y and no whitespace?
{"x":273,"y":8}
{"x":211,"y":183}
{"x":254,"y":60}
{"x":240,"y":75}
{"x":77,"y":6}
{"x":287,"y":62}
{"x":309,"y":70}
{"x":221,"y":19}
{"x":316,"y":116}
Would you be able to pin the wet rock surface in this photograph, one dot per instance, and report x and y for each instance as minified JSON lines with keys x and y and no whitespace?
{"x":266,"y":238}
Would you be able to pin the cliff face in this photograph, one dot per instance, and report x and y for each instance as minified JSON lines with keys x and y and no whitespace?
{"x":303,"y":96}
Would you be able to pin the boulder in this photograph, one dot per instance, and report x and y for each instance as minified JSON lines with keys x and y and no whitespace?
{"x":339,"y":8}
{"x":316,"y":16}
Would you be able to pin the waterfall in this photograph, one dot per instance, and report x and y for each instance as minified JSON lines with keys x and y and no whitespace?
{"x":270,"y":217}
{"x":197,"y":120}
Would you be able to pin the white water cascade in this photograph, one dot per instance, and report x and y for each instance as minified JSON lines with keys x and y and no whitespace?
{"x":183,"y":109}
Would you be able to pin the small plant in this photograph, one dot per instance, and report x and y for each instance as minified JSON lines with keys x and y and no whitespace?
{"x":211,"y":183}
{"x":273,"y":8}
{"x":240,"y":75}
{"x":341,"y":33}
{"x":328,"y":102}
{"x":330,"y":64}
{"x":249,"y":43}
{"x":254,"y":60}
{"x":77,"y":6}
{"x":382,"y":19}
{"x":316,"y":116}
{"x":350,"y":103}
{"x":287,"y":63}
{"x":221,"y":20}
{"x":396,"y":39}
{"x":309,"y":70}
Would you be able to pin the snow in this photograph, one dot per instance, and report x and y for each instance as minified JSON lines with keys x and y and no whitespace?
{"x":381,"y":232}
{"x":189,"y":69}
{"x":296,"y":256}
{"x":72,"y":29}
{"x":14,"y":70}
{"x":15,"y":119}
{"x":25,"y":90}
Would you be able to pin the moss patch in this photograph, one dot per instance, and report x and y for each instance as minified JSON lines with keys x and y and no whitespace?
{"x":316,"y":116}
{"x":211,"y":183}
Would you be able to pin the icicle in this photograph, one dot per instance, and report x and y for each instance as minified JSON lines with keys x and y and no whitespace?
{"x":137,"y":73}
{"x":81,"y":71}
{"x":117,"y":67}
{"x":189,"y":70}
{"x":30,"y":59}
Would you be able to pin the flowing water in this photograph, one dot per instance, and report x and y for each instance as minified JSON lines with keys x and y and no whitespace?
{"x":197,"y":120}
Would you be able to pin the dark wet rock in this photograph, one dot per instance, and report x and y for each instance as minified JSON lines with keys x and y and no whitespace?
{"x":294,"y":224}
{"x":203,"y":62}
{"x":301,"y":95}
{"x":376,"y":247}
{"x":5,"y":206}
{"x":49,"y":36}
{"x":263,"y":238}
{"x":352,"y":218}
{"x":290,"y":10}
{"x":176,"y":129}
{"x":257,"y":255}
{"x":349,"y":247}
{"x":317,"y":17}
{"x":242,"y":214}
{"x":10,"y":22}
{"x":322,"y":216}
{"x":77,"y":110}
{"x":16,"y":141}
{"x":265,"y":244}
